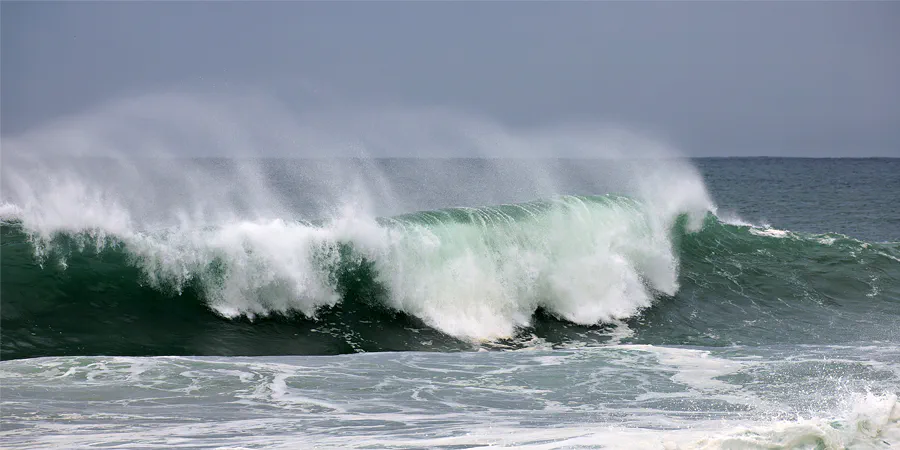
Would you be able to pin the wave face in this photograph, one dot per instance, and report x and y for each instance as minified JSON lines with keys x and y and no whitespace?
{"x":474,"y":274}
{"x":563,"y":270}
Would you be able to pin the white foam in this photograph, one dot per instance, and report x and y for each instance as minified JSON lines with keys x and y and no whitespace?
{"x":524,"y":400}
{"x":872,"y":423}
{"x":695,"y":368}
{"x":9,"y":212}
{"x":770,"y":232}
{"x":183,"y":221}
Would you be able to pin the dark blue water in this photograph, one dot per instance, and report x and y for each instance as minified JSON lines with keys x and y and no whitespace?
{"x":856,"y":197}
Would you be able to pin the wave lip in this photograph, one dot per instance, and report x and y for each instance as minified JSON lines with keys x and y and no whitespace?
{"x":481,"y":273}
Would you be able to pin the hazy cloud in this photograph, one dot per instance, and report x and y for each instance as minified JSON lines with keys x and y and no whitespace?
{"x":716,"y":78}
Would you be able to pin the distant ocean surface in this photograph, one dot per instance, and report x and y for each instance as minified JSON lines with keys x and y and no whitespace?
{"x":450,"y":303}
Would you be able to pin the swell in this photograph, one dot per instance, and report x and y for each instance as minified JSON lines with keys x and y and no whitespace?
{"x":748,"y":285}
{"x":564,"y":271}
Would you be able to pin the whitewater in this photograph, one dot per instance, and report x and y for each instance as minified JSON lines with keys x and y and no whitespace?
{"x":157,"y":297}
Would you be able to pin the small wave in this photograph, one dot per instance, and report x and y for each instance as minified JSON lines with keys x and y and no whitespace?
{"x":871,"y":421}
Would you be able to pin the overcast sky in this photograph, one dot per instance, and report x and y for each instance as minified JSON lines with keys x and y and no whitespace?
{"x":716,"y":78}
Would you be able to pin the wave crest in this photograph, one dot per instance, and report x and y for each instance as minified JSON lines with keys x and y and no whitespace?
{"x":473,"y":273}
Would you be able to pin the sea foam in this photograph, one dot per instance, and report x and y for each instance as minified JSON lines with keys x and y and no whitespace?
{"x":259,"y":248}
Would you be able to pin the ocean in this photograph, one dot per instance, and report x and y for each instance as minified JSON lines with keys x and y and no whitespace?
{"x":733,"y":303}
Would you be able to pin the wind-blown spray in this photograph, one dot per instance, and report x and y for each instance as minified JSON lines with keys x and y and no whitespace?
{"x":187,"y":187}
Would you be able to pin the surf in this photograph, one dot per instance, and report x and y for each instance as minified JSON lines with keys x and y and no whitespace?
{"x":472,"y":273}
{"x":459,"y":278}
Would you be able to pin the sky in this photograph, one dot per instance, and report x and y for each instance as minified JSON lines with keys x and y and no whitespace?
{"x":714,"y":78}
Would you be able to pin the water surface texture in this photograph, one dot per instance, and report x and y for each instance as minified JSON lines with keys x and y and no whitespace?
{"x":450,"y":303}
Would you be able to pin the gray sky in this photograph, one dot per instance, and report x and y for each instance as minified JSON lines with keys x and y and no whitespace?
{"x":716,"y":78}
